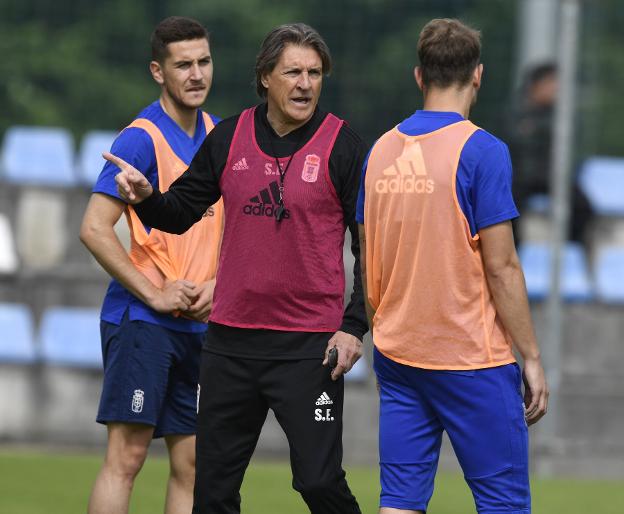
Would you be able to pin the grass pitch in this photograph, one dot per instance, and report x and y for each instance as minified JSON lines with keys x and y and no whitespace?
{"x":50,"y":483}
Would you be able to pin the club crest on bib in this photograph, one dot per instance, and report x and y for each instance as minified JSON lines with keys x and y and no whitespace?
{"x":311,"y":168}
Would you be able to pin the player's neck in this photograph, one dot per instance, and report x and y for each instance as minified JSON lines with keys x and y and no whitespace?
{"x":449,"y":100}
{"x":186,"y":119}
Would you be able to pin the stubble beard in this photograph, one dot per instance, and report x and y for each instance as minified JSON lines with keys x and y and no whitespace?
{"x":180,"y":104}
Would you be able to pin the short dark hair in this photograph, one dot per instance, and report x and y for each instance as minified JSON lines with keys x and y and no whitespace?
{"x":172,"y":30}
{"x":274,"y":43}
{"x":539,"y":72}
{"x":449,"y":51}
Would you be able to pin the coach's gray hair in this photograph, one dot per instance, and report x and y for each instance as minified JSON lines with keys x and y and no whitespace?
{"x":274,"y":43}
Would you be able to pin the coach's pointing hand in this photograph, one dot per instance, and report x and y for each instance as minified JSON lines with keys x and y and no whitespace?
{"x":132,"y":185}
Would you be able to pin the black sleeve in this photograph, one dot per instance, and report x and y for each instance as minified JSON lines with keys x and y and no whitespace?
{"x":345,"y":169}
{"x":195,"y":190}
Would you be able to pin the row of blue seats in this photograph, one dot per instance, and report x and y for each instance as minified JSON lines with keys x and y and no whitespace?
{"x":602,"y":181}
{"x":576,"y":281}
{"x":45,"y":156}
{"x":67,"y":336}
{"x":70,"y":335}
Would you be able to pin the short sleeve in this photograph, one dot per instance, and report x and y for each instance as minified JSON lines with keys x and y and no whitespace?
{"x":483,"y":182}
{"x":134,"y":146}
{"x":492,"y":197}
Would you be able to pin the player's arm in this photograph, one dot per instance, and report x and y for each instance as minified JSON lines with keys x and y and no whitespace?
{"x":493,"y":210}
{"x":370,"y":312}
{"x":186,"y":200}
{"x":506,"y":281}
{"x":98,"y":235}
{"x":345,"y":165}
{"x":359,"y":217}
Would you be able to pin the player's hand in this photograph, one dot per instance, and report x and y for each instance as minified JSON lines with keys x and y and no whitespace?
{"x":132,"y":185}
{"x":535,"y":390}
{"x":175,"y":295}
{"x":201,"y":307}
{"x":349,"y":351}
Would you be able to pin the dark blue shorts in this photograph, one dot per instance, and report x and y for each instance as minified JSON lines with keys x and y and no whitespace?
{"x":151,"y":376}
{"x":483,"y":415}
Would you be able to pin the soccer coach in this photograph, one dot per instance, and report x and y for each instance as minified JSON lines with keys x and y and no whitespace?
{"x":448,"y":293}
{"x":288,"y":174}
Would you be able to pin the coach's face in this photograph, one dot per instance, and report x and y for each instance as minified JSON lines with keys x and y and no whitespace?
{"x":185,"y":75}
{"x":293,"y":88}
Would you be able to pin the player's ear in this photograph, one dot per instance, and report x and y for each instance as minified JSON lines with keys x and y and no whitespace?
{"x":418,"y":77}
{"x":476,"y":77}
{"x":157,"y":73}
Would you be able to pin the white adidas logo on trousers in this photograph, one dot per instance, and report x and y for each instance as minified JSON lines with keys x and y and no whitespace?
{"x":324,"y":399}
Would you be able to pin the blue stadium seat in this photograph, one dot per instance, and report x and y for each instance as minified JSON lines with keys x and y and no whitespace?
{"x":602,"y":181}
{"x":90,"y":160}
{"x":40,"y":156}
{"x":70,"y":336}
{"x":539,"y":203}
{"x":575,"y":282}
{"x":16,"y":326}
{"x":609,"y":275}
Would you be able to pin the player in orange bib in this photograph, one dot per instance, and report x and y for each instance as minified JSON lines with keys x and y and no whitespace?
{"x":446,"y":292}
{"x":155,"y":310}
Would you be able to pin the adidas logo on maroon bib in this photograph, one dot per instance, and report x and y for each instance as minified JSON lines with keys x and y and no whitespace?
{"x":265,"y":203}
{"x":240,"y":165}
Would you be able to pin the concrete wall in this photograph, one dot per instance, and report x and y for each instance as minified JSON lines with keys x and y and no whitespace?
{"x":57,"y":405}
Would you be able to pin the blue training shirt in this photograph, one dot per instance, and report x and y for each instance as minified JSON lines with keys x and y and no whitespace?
{"x":483,"y":175}
{"x":135,"y":146}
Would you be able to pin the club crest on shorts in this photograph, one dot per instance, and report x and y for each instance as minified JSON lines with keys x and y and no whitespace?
{"x":311,"y":168}
{"x":137,"y":401}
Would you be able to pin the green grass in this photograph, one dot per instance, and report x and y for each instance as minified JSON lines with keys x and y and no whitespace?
{"x":47,"y":483}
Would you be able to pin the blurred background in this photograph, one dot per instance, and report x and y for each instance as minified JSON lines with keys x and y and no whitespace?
{"x":74,"y":73}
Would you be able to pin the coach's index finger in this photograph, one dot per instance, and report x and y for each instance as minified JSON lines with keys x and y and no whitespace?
{"x":117,"y":161}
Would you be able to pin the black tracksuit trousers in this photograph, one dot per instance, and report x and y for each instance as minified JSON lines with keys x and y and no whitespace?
{"x":236,"y":394}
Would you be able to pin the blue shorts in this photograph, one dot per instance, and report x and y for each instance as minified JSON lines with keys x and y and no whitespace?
{"x":151,"y":376}
{"x":483,"y":415}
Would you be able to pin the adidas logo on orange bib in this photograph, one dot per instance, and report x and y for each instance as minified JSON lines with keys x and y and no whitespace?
{"x":265,"y":203}
{"x":408,"y":174}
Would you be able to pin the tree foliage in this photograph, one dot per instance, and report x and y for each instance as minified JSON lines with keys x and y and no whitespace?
{"x":83,"y":64}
